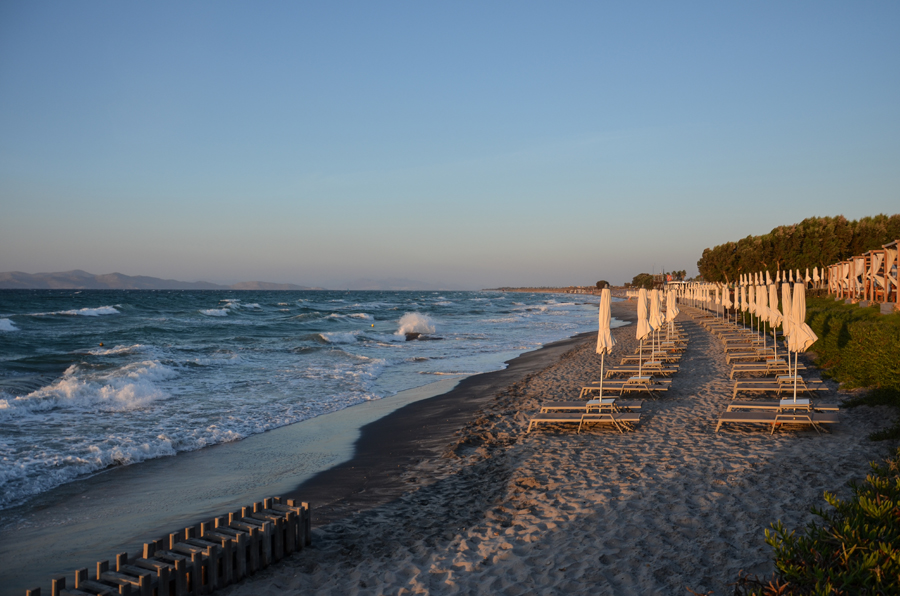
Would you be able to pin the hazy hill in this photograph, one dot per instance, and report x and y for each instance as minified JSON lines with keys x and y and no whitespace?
{"x":82,"y":280}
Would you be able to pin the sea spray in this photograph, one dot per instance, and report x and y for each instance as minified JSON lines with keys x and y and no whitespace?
{"x":414,"y":322}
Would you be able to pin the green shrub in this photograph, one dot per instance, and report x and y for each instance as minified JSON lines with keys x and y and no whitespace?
{"x":859,"y":347}
{"x":854,"y":549}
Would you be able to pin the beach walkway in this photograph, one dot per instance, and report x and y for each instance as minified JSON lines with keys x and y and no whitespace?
{"x":670,"y":505}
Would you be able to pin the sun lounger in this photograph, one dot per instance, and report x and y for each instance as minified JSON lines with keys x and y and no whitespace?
{"x":814,"y":419}
{"x":781,"y":405}
{"x":746,"y":386}
{"x":644,"y":383}
{"x":620,"y":420}
{"x":633,"y":369}
{"x":612,"y":404}
{"x":769,"y":367}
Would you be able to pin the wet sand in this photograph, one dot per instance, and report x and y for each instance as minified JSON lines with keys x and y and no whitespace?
{"x":488,"y":509}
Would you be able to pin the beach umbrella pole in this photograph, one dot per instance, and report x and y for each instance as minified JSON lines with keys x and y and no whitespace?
{"x":602,"y":373}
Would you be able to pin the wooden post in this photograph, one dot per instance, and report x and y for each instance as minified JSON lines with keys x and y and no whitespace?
{"x":196,"y":574}
{"x":102,"y":567}
{"x":33,"y":592}
{"x":57,"y":584}
{"x":81,"y":576}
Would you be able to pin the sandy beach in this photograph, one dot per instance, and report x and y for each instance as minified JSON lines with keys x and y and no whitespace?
{"x":488,"y":509}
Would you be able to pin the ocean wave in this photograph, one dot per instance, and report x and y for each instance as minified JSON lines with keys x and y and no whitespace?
{"x":130,"y":387}
{"x":337,"y":337}
{"x":7,"y":325}
{"x":444,"y":303}
{"x":414,"y":322}
{"x":215,"y":312}
{"x":81,"y":312}
{"x":115,"y":350}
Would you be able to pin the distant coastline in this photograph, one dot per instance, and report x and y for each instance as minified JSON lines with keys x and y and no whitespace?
{"x":82,"y":280}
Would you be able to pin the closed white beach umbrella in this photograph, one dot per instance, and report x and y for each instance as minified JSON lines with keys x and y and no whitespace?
{"x":605,"y":340}
{"x":792,"y":276}
{"x":808,"y":278}
{"x":786,"y":311}
{"x":643,"y":325}
{"x":744,"y":305}
{"x":778,"y":277}
{"x":762,"y":304}
{"x":671,"y":307}
{"x":768,"y":278}
{"x":643,"y":322}
{"x":774,"y":315}
{"x":751,"y":297}
{"x":802,"y":337}
{"x":816,"y":277}
{"x":799,"y":277}
{"x":656,"y":318}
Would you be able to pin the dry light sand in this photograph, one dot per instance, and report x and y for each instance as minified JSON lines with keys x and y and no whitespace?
{"x":670,"y":505}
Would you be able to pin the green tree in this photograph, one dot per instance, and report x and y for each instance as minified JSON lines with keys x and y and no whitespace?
{"x":643,"y":280}
{"x":602,"y":284}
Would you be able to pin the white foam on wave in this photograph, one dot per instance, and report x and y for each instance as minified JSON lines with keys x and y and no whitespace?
{"x":7,"y":325}
{"x":443,"y":303}
{"x":355,"y":315}
{"x":81,"y":312}
{"x":116,"y":350}
{"x":215,"y":312}
{"x":337,"y":337}
{"x":414,"y":322}
{"x":252,"y":305}
{"x":129,"y":387}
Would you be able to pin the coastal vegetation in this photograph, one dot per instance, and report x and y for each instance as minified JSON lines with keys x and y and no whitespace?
{"x":814,"y":242}
{"x":853,"y":549}
{"x":858,"y":347}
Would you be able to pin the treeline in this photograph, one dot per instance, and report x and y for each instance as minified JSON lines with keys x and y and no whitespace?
{"x":814,"y":242}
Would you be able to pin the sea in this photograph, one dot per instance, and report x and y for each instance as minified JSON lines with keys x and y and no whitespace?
{"x":95,"y":379}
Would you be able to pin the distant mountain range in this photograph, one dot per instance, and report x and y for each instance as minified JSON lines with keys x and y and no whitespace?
{"x":82,"y":280}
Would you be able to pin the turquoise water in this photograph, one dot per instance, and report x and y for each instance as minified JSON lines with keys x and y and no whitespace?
{"x":180,"y":370}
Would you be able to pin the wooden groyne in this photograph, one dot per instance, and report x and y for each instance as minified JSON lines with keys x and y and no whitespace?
{"x":199,"y":559}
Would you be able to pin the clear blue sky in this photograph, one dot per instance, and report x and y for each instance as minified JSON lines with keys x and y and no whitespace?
{"x":468,"y":143}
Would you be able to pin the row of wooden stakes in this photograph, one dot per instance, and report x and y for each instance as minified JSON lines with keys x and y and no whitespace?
{"x":201,"y":558}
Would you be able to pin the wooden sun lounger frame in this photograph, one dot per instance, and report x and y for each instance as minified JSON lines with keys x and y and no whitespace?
{"x":776,"y":405}
{"x":618,"y":405}
{"x":777,"y":388}
{"x":813,"y":419}
{"x":620,"y":420}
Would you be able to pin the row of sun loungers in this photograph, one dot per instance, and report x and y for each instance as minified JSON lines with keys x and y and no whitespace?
{"x":624,"y":414}
{"x":740,"y":344}
{"x":592,"y":408}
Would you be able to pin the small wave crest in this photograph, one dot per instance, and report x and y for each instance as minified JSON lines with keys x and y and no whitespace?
{"x":115,"y":350}
{"x":7,"y":325}
{"x":337,"y":337}
{"x":215,"y":312}
{"x":414,"y":322}
{"x":130,"y":387}
{"x":82,"y":312}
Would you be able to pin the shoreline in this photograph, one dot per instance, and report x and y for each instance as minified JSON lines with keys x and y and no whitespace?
{"x":389,"y":446}
{"x":63,"y":526}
